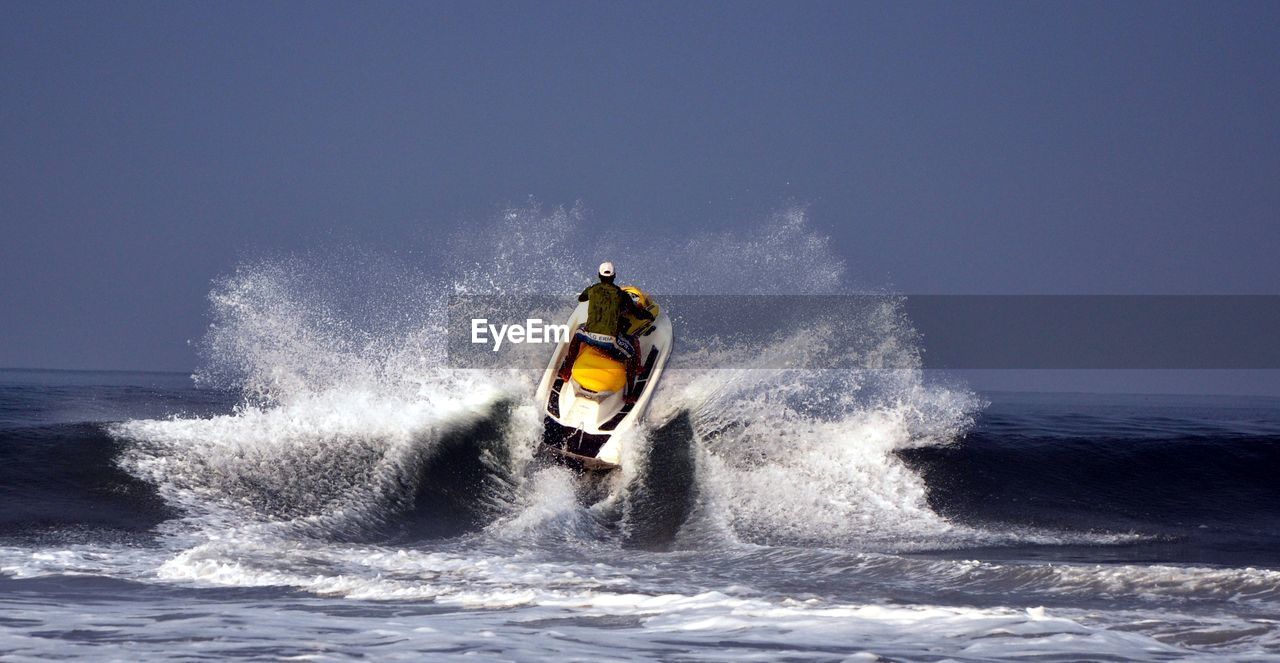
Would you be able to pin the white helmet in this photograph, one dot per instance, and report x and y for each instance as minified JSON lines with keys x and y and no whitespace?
{"x":606,"y":268}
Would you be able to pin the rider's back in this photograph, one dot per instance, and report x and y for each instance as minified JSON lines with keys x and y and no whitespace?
{"x":604,"y":306}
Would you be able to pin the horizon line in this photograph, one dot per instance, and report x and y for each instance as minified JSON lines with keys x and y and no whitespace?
{"x":29,"y":369}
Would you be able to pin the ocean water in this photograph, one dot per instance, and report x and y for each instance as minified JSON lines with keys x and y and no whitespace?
{"x":146,"y":518}
{"x":327,"y":487}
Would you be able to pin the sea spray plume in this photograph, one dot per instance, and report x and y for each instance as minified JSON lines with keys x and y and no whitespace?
{"x":494,"y":271}
{"x":530,"y":249}
{"x":284,"y":328}
{"x":340,"y":356}
{"x":781,"y":255}
{"x":340,"y":359}
{"x":524,"y":251}
{"x":808,"y":455}
{"x":805,"y":454}
{"x":266,"y":339}
{"x":304,"y":336}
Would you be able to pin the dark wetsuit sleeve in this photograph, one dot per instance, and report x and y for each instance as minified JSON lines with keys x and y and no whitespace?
{"x":583,"y":297}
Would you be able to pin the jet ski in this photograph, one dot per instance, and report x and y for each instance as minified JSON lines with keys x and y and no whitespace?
{"x":587,"y":416}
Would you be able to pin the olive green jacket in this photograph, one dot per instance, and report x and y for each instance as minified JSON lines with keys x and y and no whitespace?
{"x":606,"y":305}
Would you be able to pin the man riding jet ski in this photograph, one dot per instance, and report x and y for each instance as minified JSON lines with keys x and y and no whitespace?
{"x":599,"y":383}
{"x":607,"y":327}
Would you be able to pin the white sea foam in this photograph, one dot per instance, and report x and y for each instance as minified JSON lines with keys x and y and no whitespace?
{"x":531,"y":607}
{"x":336,"y":455}
{"x":707,"y":626}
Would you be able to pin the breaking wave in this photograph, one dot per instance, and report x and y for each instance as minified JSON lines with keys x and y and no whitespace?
{"x":348,"y":394}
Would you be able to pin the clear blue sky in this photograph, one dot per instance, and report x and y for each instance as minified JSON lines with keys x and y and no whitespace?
{"x":982,"y":147}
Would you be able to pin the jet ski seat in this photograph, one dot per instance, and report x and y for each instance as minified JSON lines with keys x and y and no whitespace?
{"x":595,"y":370}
